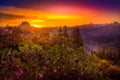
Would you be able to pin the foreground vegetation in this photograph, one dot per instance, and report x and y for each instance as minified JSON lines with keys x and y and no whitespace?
{"x":60,"y":57}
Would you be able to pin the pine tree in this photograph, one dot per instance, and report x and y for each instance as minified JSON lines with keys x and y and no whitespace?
{"x":60,"y":31}
{"x":77,"y":38}
{"x":65,"y":31}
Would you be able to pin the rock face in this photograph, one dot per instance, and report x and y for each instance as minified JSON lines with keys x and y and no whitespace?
{"x":27,"y":29}
{"x":25,"y":26}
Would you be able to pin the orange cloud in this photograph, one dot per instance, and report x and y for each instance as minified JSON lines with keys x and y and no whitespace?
{"x":55,"y":16}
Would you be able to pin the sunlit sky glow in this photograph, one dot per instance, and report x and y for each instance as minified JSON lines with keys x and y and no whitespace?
{"x":57,"y":13}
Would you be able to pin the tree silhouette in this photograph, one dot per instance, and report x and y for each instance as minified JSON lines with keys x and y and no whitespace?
{"x":77,"y":38}
{"x":65,"y":31}
{"x":10,"y":37}
{"x":60,"y":31}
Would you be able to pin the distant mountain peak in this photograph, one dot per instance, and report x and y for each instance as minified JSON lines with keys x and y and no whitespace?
{"x":25,"y":26}
{"x":114,"y":24}
{"x":25,"y":23}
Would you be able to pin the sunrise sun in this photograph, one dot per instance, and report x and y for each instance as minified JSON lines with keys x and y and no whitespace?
{"x":36,"y":25}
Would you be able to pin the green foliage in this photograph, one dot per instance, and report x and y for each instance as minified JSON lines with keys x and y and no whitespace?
{"x":110,"y":55}
{"x":57,"y":62}
{"x":59,"y":58}
{"x":61,"y":40}
{"x":10,"y":37}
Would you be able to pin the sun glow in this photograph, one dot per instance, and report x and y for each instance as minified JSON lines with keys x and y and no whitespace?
{"x":55,"y":16}
{"x":36,"y":25}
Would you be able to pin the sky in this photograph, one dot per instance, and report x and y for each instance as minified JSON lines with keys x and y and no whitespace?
{"x":46,"y":13}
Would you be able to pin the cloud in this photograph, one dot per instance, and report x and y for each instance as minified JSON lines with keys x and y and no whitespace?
{"x":14,"y":15}
{"x":20,"y":11}
{"x":112,"y":4}
{"x":10,"y":16}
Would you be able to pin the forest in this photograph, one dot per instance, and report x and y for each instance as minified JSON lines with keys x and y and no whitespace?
{"x":60,"y":56}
